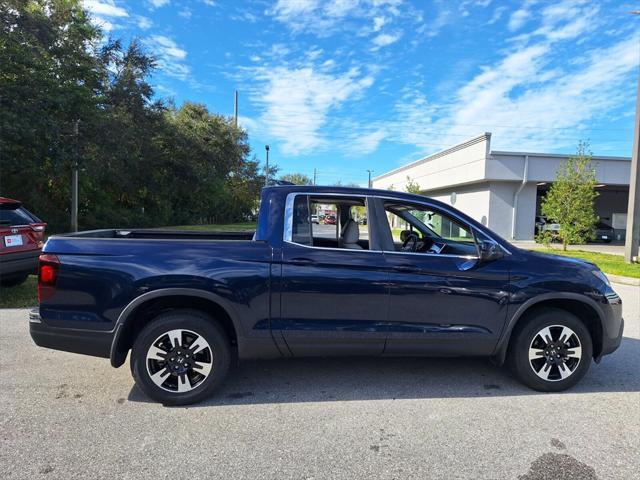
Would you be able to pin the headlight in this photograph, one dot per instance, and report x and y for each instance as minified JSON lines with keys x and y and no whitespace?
{"x":601,"y":276}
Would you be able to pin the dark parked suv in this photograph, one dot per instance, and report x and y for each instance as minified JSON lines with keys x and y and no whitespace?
{"x":21,"y":239}
{"x":420,"y":278}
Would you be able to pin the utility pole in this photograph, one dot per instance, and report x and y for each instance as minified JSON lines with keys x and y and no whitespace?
{"x":74,"y":181}
{"x":632,"y":238}
{"x":266,"y":176}
{"x":370,"y":172}
{"x":315,"y":176}
{"x":235,"y":109}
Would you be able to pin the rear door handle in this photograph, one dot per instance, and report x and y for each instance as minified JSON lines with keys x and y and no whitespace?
{"x":302,"y":261}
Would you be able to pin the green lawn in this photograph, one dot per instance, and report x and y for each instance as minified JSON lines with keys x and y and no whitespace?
{"x":613,"y":264}
{"x":229,"y":227}
{"x":24,"y":295}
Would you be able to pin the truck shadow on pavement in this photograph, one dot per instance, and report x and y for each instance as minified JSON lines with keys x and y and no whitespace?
{"x":333,"y":379}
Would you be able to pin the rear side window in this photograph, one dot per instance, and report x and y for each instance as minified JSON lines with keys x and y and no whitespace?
{"x":15,"y":215}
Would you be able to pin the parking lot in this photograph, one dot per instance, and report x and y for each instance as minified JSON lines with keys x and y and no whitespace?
{"x":69,"y":416}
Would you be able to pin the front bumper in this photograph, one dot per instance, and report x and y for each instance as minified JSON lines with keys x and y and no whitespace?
{"x":611,"y":344}
{"x":17,"y":263}
{"x":612,"y":325}
{"x":86,"y":342}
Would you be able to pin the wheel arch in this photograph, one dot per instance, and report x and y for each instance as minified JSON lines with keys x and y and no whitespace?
{"x":145,"y":307}
{"x":584,"y":308}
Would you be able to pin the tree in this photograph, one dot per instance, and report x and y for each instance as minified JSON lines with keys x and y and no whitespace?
{"x":143,"y":161}
{"x":412,"y":186}
{"x":297,"y":178}
{"x":570,"y":199}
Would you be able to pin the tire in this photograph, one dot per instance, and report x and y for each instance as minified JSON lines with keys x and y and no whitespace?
{"x":14,"y":281}
{"x":180,"y":357}
{"x":564,"y":360}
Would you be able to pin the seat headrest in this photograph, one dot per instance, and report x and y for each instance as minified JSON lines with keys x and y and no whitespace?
{"x":350,"y":232}
{"x":404,"y":234}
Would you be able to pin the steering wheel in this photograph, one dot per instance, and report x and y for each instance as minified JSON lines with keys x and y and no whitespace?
{"x":410,"y":243}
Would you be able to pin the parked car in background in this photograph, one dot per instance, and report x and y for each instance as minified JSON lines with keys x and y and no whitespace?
{"x":21,"y":239}
{"x":315,"y":219}
{"x":604,"y":233}
{"x":544,"y":225}
{"x":330,"y":220}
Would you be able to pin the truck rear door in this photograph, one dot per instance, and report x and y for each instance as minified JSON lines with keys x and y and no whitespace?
{"x":334,"y":290}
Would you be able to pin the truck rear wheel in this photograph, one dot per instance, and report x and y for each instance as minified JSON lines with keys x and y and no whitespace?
{"x":180,"y":357}
{"x":552,"y":351}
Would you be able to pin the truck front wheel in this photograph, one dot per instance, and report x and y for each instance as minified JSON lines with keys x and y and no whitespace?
{"x":180,"y":357}
{"x":552,"y":351}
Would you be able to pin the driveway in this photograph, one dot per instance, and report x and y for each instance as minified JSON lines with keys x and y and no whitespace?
{"x":67,"y":416}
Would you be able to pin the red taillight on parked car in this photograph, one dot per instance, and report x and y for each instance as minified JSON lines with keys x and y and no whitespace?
{"x":47,"y":276}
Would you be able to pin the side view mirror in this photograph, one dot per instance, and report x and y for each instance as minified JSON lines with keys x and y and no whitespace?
{"x":489,"y":251}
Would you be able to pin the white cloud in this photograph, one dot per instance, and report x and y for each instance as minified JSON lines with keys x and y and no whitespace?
{"x":520,"y":99}
{"x":107,"y":8}
{"x":170,"y":56}
{"x":185,"y":13}
{"x":168,"y":47}
{"x":518,"y":19}
{"x":532,"y":98}
{"x":144,"y":23}
{"x":158,"y":3}
{"x":497,"y":15}
{"x":366,"y":143}
{"x":297,"y":103}
{"x":104,"y":13}
{"x":385,"y":39}
{"x":323,"y":17}
{"x":378,"y":23}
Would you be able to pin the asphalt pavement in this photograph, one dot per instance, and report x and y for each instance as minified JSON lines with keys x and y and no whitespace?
{"x":67,"y":416}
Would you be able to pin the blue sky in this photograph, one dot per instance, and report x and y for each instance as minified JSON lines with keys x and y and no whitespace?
{"x":349,"y":85}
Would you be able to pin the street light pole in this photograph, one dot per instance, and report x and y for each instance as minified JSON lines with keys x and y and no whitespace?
{"x":370,"y":172}
{"x":235,"y":109}
{"x":74,"y":181}
{"x":266,"y":176}
{"x":632,"y":238}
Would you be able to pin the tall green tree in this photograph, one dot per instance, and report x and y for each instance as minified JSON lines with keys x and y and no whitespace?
{"x":50,"y":77}
{"x":570,"y":199}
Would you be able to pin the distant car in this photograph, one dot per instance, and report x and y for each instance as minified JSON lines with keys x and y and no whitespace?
{"x":604,"y":233}
{"x":543,"y":225}
{"x":330,"y":220}
{"x":21,"y":239}
{"x":315,"y":219}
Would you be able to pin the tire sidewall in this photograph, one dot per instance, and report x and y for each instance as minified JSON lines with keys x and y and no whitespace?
{"x":519,"y":353}
{"x":197,"y":322}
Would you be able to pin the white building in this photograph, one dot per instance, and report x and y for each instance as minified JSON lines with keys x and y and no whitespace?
{"x":503,"y":189}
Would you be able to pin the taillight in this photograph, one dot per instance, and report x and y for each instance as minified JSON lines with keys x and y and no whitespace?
{"x":47,"y":276}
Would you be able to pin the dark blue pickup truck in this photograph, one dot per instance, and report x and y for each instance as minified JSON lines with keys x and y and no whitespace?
{"x":391,"y":274}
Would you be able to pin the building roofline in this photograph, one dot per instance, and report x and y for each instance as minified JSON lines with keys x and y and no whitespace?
{"x":560,"y":155}
{"x":477,"y":139}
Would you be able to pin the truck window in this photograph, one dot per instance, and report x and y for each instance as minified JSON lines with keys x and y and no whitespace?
{"x":330,"y":222}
